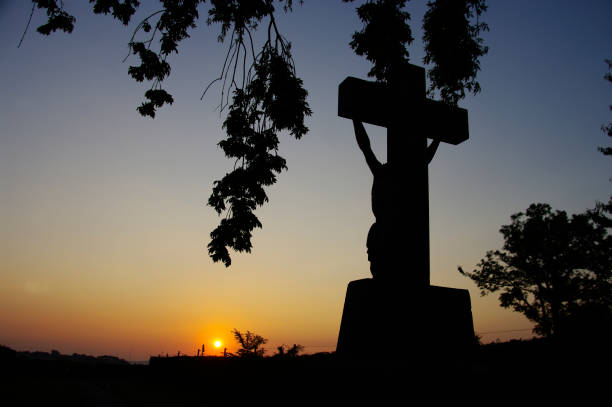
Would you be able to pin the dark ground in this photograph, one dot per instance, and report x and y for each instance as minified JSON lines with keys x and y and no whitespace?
{"x":517,"y":371}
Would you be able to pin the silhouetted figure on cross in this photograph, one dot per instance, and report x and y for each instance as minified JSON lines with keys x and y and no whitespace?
{"x":381,"y":196}
{"x":399,"y":242}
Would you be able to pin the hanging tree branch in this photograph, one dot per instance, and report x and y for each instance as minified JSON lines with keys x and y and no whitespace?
{"x":268,"y":97}
{"x":265,"y":99}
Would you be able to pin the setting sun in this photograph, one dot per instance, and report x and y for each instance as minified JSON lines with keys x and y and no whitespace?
{"x":217,"y":344}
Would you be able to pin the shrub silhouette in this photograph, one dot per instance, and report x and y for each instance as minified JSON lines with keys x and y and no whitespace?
{"x":285,"y":351}
{"x":249,"y":343}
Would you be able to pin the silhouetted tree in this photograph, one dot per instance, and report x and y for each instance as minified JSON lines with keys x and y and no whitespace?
{"x":250,"y":344}
{"x":554,"y":269}
{"x":267,"y":96}
{"x":607,"y":129}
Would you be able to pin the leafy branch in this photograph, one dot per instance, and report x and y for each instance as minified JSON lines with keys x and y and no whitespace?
{"x":453,"y":46}
{"x":267,"y":98}
{"x":261,"y":91}
{"x":384,"y":38}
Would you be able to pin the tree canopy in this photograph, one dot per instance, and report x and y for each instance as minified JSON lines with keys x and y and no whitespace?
{"x":554,"y":269}
{"x":261,"y":91}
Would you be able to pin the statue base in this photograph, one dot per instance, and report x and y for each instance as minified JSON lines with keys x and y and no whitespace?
{"x":382,"y":320}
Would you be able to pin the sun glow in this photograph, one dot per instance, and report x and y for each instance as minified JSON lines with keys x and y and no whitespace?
{"x":217,"y":344}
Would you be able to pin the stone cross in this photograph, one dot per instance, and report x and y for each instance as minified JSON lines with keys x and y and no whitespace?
{"x":410,"y":119}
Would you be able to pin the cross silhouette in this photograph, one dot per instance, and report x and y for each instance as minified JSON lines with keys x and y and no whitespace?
{"x":410,"y":118}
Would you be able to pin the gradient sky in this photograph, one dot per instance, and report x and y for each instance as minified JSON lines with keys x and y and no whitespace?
{"x":103,"y":216}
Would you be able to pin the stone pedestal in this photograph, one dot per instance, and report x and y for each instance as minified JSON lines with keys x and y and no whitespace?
{"x":407,"y":321}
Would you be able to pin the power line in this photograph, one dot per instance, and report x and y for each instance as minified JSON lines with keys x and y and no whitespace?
{"x":504,"y":331}
{"x":319,"y":346}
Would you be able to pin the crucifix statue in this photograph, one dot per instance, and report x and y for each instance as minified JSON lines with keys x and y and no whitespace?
{"x":398,"y":242}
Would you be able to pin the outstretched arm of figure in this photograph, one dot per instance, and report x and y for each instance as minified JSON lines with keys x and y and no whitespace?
{"x":364,"y":145}
{"x":431,"y":150}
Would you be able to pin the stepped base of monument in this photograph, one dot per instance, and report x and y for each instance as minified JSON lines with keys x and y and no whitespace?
{"x":386,"y":321}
